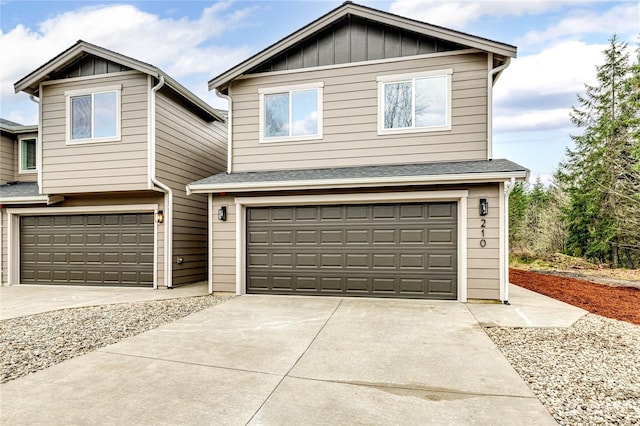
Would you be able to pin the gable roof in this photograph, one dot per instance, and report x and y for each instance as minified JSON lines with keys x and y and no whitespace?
{"x":31,"y":82}
{"x":350,"y":9}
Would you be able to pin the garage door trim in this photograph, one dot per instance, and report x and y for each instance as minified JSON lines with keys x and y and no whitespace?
{"x":459,"y":196}
{"x":13,"y":230}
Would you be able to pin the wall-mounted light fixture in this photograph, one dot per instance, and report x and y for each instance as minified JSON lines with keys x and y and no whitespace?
{"x":484,"y":207}
{"x":159,"y":216}
{"x":222,"y":213}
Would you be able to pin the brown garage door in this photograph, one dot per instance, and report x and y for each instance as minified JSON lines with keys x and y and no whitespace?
{"x":113,"y":249}
{"x":383,"y":250}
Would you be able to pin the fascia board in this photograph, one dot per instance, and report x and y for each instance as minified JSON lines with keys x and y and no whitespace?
{"x":367,"y":13}
{"x":358,"y":182}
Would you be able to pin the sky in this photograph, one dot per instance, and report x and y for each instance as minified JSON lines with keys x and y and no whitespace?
{"x":559,"y":42}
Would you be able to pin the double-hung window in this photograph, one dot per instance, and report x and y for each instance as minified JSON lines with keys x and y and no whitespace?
{"x":93,"y":115}
{"x":27,"y":155}
{"x":291,"y":113}
{"x":415,"y":102}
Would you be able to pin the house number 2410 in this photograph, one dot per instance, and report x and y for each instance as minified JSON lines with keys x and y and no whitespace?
{"x":483,"y":225}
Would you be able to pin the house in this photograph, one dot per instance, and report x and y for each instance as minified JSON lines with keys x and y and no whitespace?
{"x":95,"y":194}
{"x":360,"y":164}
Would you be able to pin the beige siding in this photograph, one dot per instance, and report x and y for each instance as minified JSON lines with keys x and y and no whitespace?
{"x":350,"y":109}
{"x":188,"y":148}
{"x":7,"y":161}
{"x":483,"y":263}
{"x":101,"y":166}
{"x":223,"y":264}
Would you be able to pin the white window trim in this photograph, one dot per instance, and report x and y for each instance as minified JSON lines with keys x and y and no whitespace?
{"x":117,"y":89}
{"x":288,"y":89}
{"x":20,"y":169}
{"x":398,"y":78}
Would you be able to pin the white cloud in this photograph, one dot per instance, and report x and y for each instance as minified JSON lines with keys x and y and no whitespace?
{"x":622,"y":19}
{"x":458,"y":14}
{"x":527,"y":95}
{"x":183,"y":47}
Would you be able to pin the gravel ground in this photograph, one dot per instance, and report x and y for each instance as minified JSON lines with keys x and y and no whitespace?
{"x":35,"y":342}
{"x":587,"y":374}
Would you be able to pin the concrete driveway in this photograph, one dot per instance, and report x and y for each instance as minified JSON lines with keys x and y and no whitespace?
{"x":288,"y":360}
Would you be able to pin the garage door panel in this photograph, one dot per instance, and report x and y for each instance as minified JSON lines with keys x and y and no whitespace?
{"x":391,"y":250}
{"x":112,"y":249}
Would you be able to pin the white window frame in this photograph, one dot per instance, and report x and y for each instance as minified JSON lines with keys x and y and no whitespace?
{"x":21,"y":170}
{"x":290,"y":89}
{"x":117,"y":89}
{"x":400,"y":78}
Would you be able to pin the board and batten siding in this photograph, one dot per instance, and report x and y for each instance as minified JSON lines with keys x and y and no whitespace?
{"x":95,"y":166}
{"x":7,"y":162}
{"x":350,"y":111}
{"x":188,"y":148}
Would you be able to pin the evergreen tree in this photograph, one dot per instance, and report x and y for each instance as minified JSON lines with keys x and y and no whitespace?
{"x":600,"y":175}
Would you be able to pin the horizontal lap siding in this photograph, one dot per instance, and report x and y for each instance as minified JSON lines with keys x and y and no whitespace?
{"x":350,"y":109}
{"x":101,"y":166}
{"x":7,"y":155}
{"x":188,"y":148}
{"x":483,"y":263}
{"x":223,"y":264}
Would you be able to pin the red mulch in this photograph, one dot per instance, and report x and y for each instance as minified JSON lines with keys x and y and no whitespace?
{"x":621,"y":303}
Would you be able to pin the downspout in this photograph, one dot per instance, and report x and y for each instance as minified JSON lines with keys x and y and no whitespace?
{"x":229,"y":133}
{"x":168,"y":204}
{"x":507,"y":193}
{"x":490,"y":82}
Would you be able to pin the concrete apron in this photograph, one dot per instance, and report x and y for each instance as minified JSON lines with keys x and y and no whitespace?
{"x":288,"y":360}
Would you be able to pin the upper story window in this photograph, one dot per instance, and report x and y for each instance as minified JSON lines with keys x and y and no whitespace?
{"x":27,"y":155}
{"x":415,"y":102}
{"x":93,"y":115}
{"x":292,"y":113}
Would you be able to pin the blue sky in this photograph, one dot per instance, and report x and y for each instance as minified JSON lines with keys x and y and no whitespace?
{"x":559,"y":44}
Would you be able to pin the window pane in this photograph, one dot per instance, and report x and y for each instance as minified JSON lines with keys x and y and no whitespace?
{"x":81,"y":117}
{"x":104,"y":110}
{"x":28,"y":154}
{"x":304,"y":106}
{"x":431,"y":102}
{"x":276,"y":115}
{"x":397,"y":105}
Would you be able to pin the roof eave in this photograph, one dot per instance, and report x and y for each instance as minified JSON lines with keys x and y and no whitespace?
{"x":30,"y":83}
{"x":32,"y":199}
{"x":365,"y":182}
{"x":222,"y":80}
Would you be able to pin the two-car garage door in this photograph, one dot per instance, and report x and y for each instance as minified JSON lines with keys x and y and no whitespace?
{"x":378,"y":250}
{"x":107,"y":249}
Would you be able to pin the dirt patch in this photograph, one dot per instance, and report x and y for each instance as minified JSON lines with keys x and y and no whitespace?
{"x":621,"y":303}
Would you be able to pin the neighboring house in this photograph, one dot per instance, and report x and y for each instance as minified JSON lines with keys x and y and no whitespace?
{"x":360,"y":164}
{"x":97,"y":195}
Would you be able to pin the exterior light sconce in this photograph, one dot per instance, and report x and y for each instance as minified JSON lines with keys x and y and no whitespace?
{"x":222,"y":213}
{"x":159,"y":216}
{"x":484,"y":207}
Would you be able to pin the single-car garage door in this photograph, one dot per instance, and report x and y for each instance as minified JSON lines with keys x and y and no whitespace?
{"x":110,"y":249}
{"x":382,"y":250}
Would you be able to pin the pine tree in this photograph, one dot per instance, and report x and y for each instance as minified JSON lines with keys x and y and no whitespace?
{"x":599,"y":175}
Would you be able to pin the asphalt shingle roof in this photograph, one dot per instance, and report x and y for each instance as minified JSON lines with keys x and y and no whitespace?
{"x":20,"y":189}
{"x":423,"y":169}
